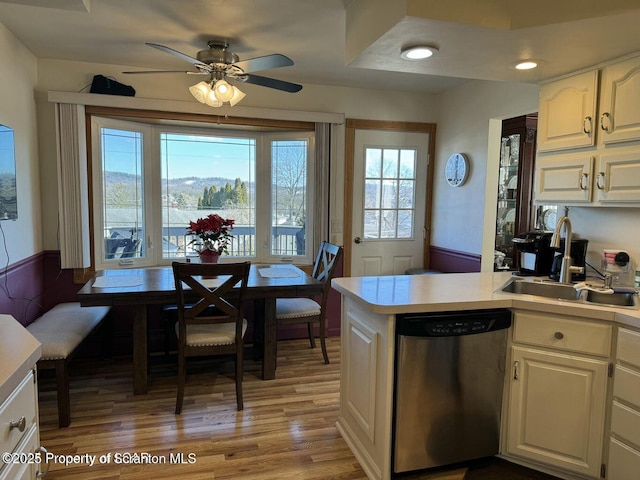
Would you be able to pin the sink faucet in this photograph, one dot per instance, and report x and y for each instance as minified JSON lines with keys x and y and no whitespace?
{"x":566,"y":269}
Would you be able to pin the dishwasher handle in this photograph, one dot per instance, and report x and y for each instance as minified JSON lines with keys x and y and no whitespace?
{"x":452,"y":324}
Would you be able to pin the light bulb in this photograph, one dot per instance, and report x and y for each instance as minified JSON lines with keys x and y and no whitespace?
{"x":223,"y":91}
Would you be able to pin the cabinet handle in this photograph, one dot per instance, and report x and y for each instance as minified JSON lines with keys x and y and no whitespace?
{"x":516,"y":364}
{"x":602,"y":125}
{"x":598,"y":184}
{"x":44,"y":452}
{"x":586,"y":125}
{"x":559,"y":335}
{"x":583,"y":180}
{"x":19,"y":424}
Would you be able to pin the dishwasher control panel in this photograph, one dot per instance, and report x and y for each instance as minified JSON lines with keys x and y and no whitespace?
{"x":451,"y":324}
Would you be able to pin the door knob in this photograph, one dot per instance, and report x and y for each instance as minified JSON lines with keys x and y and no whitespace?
{"x":357,"y":240}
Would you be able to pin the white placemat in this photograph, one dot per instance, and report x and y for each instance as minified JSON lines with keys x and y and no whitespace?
{"x":278,"y":272}
{"x":107,"y":281}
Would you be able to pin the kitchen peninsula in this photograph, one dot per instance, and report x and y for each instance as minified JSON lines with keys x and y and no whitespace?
{"x":574,"y":349}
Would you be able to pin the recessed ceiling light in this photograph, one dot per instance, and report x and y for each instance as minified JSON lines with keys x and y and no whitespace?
{"x":526,"y":65}
{"x":418,"y":52}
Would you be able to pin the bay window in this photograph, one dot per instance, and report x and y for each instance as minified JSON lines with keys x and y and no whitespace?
{"x":150,"y":180}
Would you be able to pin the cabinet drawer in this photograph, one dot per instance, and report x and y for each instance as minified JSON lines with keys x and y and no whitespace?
{"x":625,"y":424}
{"x":21,"y":403}
{"x":626,"y":386}
{"x":624,"y":462}
{"x":628,"y":347}
{"x":562,"y":333}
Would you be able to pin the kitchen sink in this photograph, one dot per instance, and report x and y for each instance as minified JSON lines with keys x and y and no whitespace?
{"x":561,"y":291}
{"x":619,"y":299}
{"x":549,"y":290}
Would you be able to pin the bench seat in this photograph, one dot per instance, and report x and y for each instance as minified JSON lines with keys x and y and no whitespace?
{"x":61,"y":330}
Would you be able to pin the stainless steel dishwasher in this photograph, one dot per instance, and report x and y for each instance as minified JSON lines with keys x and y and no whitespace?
{"x":449,"y":376}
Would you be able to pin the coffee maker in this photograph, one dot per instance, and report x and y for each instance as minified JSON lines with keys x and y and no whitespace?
{"x":578,"y":259}
{"x":535,"y":254}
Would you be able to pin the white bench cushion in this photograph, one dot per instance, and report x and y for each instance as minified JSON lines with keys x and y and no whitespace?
{"x":61,"y":329}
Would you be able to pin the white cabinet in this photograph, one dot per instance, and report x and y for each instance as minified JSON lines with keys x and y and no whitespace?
{"x":567,"y":111}
{"x":19,"y":352}
{"x":587,"y":156}
{"x":557,"y":391}
{"x":619,"y":99}
{"x":624,"y":443}
{"x":366,"y":387}
{"x":568,"y":178}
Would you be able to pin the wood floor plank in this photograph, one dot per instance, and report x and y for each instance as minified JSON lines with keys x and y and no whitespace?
{"x":286,"y":430}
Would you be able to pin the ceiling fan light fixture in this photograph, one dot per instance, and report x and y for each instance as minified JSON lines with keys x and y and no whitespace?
{"x":200,"y":91}
{"x":418,"y":52}
{"x":211,"y":99}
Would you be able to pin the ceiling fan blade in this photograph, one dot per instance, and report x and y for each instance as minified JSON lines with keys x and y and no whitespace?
{"x":264,"y":63}
{"x":271,"y":83}
{"x":183,"y":56}
{"x":188,"y":72}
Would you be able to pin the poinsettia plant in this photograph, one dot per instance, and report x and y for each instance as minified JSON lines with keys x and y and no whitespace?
{"x":213,"y":233}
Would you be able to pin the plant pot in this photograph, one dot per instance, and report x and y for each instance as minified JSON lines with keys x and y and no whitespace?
{"x":209,"y":256}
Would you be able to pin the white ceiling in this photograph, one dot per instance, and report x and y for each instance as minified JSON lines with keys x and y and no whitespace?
{"x":477,"y":38}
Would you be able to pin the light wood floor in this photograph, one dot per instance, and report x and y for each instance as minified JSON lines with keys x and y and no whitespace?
{"x":286,"y":430}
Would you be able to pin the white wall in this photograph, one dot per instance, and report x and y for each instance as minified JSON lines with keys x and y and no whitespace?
{"x":18,"y":74}
{"x":353,"y":103}
{"x":461,"y":220}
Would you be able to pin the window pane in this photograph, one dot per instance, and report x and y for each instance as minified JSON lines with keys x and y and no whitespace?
{"x":389,"y":223}
{"x":372,"y":194}
{"x":390,"y":163}
{"x":123,"y":196}
{"x":407,"y":163}
{"x":202,"y":175}
{"x":389,"y":194}
{"x":288,"y":197}
{"x":406,"y":194}
{"x":371,"y":224}
{"x":373,"y":162}
{"x":405,"y":223}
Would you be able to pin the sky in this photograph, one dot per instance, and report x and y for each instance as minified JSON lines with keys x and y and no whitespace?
{"x":7,"y":162}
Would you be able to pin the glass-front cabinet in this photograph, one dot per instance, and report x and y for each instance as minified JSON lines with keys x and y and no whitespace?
{"x":515,"y":183}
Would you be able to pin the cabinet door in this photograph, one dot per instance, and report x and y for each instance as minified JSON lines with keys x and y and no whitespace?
{"x":556,"y":409}
{"x":564,"y":179}
{"x":618,"y":178}
{"x":567,"y":113}
{"x":619,"y":99}
{"x":624,"y":462}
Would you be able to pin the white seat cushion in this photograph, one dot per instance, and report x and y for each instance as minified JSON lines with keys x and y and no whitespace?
{"x":61,"y":329}
{"x":212,"y":335}
{"x":296,"y":307}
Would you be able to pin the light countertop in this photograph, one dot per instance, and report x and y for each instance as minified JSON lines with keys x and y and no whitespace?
{"x":19,"y":352}
{"x":464,"y":291}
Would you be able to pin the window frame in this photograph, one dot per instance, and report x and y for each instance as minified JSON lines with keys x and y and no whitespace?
{"x":153,"y":187}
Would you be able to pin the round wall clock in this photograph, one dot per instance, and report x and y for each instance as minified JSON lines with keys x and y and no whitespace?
{"x":457,"y":169}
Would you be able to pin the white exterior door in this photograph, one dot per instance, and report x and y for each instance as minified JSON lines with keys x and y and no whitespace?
{"x":389,"y":201}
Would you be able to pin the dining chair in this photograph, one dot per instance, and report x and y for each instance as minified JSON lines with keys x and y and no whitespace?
{"x":210,"y":320}
{"x":290,"y":311}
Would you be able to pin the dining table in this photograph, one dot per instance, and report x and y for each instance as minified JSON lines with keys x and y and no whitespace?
{"x":141,"y":287}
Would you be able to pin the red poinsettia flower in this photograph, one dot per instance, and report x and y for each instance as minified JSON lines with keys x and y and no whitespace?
{"x":212,"y":231}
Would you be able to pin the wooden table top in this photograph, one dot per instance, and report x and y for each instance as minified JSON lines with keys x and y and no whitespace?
{"x":155,"y":285}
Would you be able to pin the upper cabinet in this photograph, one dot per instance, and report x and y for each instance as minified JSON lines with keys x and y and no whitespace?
{"x":566,"y":113}
{"x":589,"y":138}
{"x":619,"y":119}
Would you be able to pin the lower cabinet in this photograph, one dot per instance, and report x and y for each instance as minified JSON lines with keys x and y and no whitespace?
{"x":558,"y":392}
{"x":624,"y":442}
{"x":366,"y":387}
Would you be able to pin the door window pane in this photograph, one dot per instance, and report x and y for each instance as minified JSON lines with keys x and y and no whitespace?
{"x":123,"y":194}
{"x":202,"y":175}
{"x":389,"y":193}
{"x":288,"y":197}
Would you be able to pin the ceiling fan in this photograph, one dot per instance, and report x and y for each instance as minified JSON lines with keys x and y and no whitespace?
{"x":221,"y":64}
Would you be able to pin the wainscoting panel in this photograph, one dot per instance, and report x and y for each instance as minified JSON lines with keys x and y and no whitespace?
{"x":21,"y":287}
{"x":453,"y":261}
